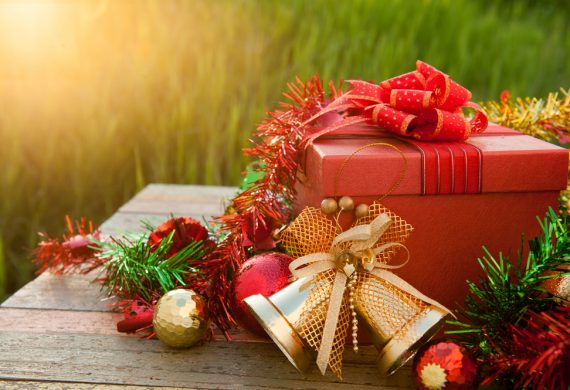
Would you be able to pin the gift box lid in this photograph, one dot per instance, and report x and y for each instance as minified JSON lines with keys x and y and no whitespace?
{"x":499,"y":160}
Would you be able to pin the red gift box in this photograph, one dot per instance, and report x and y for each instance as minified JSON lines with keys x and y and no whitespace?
{"x":458,"y":196}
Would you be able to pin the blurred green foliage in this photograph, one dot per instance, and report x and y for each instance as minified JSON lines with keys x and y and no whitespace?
{"x":110,"y":95}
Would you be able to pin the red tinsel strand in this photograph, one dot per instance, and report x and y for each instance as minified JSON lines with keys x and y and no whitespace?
{"x":72,"y":253}
{"x":538,"y":354}
{"x":278,"y":138}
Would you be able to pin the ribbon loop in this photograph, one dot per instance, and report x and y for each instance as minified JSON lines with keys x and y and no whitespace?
{"x":310,"y":265}
{"x":425,"y":104}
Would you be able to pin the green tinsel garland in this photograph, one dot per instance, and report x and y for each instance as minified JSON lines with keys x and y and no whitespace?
{"x":134,"y":269}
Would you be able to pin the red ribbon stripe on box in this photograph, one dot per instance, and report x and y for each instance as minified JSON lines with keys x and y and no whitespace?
{"x":446,"y":168}
{"x":425,"y":104}
{"x":450,"y":168}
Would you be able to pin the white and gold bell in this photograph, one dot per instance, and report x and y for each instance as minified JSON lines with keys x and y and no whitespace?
{"x":397,"y":323}
{"x":277,"y":314}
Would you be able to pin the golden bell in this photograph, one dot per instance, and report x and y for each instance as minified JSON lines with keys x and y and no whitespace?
{"x":398,"y":323}
{"x":276,"y":315}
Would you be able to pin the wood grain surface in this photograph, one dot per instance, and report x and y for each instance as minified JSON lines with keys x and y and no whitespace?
{"x":25,"y":385}
{"x":58,"y":332}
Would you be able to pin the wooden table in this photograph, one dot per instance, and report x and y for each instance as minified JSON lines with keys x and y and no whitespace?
{"x":57,"y":332}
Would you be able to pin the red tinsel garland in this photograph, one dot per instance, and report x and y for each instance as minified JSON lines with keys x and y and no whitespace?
{"x":264,"y":205}
{"x":538,"y":354}
{"x":72,"y":253}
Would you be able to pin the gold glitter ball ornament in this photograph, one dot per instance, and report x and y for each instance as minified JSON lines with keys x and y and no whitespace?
{"x":181,"y":318}
{"x":329,"y":206}
{"x":346,"y":203}
{"x":361,"y":210}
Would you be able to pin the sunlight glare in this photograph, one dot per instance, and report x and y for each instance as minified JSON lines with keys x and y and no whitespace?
{"x":28,"y":27}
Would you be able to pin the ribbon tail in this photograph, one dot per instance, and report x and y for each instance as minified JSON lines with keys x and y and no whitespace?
{"x":331,"y":321}
{"x":349,"y":121}
{"x":338,"y":105}
{"x":405,"y":286}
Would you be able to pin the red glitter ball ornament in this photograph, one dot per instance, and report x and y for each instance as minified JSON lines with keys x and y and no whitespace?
{"x":264,"y":274}
{"x":443,"y":364}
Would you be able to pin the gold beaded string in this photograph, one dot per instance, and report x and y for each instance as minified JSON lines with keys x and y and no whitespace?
{"x":347,"y":204}
{"x":351,"y":286}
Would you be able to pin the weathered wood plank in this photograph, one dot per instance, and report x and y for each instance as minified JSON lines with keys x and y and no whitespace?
{"x":59,"y":321}
{"x":68,"y":292}
{"x":163,"y":198}
{"x":156,"y":202}
{"x":174,"y":207}
{"x":71,"y":303}
{"x":120,"y":224}
{"x":83,"y":322}
{"x":126,"y":360}
{"x":27,"y":385}
{"x":184,"y":192}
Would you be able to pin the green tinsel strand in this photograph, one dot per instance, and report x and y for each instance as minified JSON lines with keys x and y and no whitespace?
{"x":135,"y":270}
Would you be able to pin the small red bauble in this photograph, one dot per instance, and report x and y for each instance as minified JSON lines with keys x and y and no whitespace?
{"x":264,"y":274}
{"x":443,"y":364}
{"x":186,"y":231}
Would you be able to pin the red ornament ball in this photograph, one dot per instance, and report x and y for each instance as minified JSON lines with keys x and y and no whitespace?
{"x":186,"y":231}
{"x":443,"y":364}
{"x":264,"y":274}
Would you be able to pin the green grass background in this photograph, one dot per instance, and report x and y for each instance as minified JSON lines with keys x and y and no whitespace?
{"x":118,"y":94}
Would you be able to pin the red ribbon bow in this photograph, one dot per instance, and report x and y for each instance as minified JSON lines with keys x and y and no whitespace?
{"x":425,"y":104}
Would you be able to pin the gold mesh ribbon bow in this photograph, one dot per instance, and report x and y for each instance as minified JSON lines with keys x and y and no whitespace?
{"x":338,"y":264}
